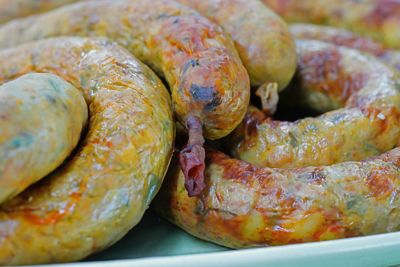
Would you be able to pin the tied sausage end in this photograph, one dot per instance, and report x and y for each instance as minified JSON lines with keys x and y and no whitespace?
{"x":192,"y":156}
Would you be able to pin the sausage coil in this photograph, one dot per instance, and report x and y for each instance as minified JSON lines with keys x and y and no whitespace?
{"x":207,"y":80}
{"x":328,"y":77}
{"x":244,"y":206}
{"x":247,"y":206}
{"x":102,"y":191}
{"x":241,"y":205}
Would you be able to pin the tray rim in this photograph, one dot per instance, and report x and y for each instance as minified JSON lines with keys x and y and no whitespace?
{"x":374,"y":250}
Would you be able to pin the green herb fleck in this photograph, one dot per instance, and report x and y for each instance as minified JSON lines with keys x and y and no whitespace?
{"x":313,"y":127}
{"x":397,"y":86}
{"x":153,"y":185}
{"x":371,"y":148}
{"x":293,"y":139}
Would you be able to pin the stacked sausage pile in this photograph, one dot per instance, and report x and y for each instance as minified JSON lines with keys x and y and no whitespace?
{"x":317,"y":178}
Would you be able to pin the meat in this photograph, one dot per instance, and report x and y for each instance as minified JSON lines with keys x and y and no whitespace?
{"x":365,"y":124}
{"x":102,"y":191}
{"x":206,"y":77}
{"x":42,"y":118}
{"x":244,"y":206}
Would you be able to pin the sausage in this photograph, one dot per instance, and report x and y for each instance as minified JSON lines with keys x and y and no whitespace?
{"x":102,"y":191}
{"x":328,"y":77}
{"x":207,"y":80}
{"x":11,"y":9}
{"x":346,"y":38}
{"x":261,"y":37}
{"x":244,"y":206}
{"x":378,"y":19}
{"x":30,"y":146}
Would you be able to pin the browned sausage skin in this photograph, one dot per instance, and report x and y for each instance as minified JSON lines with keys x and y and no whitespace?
{"x":260,"y":36}
{"x":206,"y":77}
{"x":244,"y":206}
{"x":328,"y":77}
{"x":346,"y":38}
{"x":92,"y":200}
{"x":378,"y":19}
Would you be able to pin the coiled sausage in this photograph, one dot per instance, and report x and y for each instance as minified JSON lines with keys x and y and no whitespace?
{"x":209,"y":85}
{"x":103,"y":190}
{"x":244,"y":206}
{"x":328,"y":77}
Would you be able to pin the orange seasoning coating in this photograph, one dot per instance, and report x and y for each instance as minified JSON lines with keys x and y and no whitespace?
{"x":367,"y":122}
{"x":378,"y":19}
{"x":206,"y":77}
{"x":244,"y":206}
{"x":102,"y":191}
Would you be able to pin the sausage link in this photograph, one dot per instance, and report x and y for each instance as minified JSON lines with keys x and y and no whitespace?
{"x":41,"y":118}
{"x":102,"y":191}
{"x":11,"y":9}
{"x":244,"y":206}
{"x":328,"y":77}
{"x":198,"y":60}
{"x":378,"y":19}
{"x":207,"y":79}
{"x":346,"y":38}
{"x":261,"y":37}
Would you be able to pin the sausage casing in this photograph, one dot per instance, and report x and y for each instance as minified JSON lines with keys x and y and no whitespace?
{"x":199,"y":61}
{"x":102,"y":191}
{"x":12,"y":9}
{"x":41,"y":118}
{"x":367,"y":122}
{"x":209,"y":85}
{"x":378,"y":19}
{"x":261,"y":37}
{"x":348,"y":39}
{"x":244,"y":206}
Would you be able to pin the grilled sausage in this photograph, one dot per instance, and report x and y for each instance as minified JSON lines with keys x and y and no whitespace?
{"x":11,"y":9}
{"x":378,"y":19}
{"x":102,"y":191}
{"x":244,"y":206}
{"x":209,"y":85}
{"x":261,"y":37}
{"x":41,"y":118}
{"x":328,"y":77}
{"x":346,"y":38}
